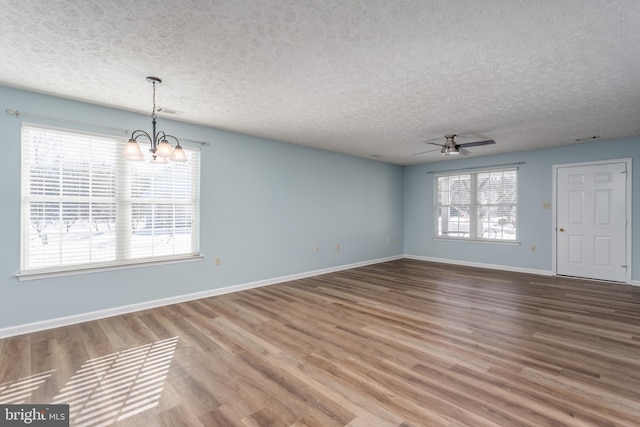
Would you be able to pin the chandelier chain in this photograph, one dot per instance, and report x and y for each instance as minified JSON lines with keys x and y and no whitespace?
{"x":153,"y":113}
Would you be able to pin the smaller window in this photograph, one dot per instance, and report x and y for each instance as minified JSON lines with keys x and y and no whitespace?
{"x":477,"y":206}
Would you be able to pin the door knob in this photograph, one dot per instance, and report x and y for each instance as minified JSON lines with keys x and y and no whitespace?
{"x":562,"y":230}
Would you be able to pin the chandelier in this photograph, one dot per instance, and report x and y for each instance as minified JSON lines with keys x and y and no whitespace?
{"x":160,"y":149}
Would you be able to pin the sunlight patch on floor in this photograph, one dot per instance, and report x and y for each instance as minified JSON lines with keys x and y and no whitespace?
{"x":114,"y":387}
{"x":17,"y":392}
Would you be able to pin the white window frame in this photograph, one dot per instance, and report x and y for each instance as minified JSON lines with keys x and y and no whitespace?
{"x":122,"y":199}
{"x":472,"y":234}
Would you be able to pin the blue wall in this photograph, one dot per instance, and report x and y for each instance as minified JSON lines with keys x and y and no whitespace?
{"x":265,"y":206}
{"x":535,"y":223}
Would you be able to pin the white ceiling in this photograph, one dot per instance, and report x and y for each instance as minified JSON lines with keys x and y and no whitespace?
{"x":363,"y":77}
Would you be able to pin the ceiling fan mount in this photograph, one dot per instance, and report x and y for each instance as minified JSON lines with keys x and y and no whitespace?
{"x":450,"y":147}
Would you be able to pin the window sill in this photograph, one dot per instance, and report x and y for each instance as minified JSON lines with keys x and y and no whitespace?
{"x":72,"y":271}
{"x":491,"y":242}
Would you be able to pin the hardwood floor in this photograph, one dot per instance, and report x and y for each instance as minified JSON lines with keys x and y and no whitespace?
{"x":394,"y":344}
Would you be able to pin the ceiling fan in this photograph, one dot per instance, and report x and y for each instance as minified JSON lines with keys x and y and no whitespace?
{"x":451,"y":148}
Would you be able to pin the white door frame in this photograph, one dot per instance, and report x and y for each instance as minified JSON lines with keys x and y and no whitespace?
{"x":628,"y":202}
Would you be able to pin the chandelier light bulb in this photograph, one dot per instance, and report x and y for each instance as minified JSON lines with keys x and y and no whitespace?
{"x":164,"y":149}
{"x":132,"y":151}
{"x":179,"y":155}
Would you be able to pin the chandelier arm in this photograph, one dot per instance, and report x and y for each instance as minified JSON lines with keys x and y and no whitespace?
{"x":165,"y":136}
{"x":138,"y":133}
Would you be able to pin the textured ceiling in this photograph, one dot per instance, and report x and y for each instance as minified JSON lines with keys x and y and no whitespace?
{"x":364,"y":77}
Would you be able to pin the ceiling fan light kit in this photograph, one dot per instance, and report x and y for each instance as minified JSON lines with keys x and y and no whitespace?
{"x":450,"y":151}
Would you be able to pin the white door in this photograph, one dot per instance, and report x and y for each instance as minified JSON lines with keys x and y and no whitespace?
{"x":591,"y":221}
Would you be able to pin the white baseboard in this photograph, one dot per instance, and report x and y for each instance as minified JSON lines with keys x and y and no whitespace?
{"x":116,"y":311}
{"x":481,"y":265}
{"x":493,"y":266}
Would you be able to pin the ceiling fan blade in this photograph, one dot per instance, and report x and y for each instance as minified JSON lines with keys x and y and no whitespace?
{"x":425,"y":152}
{"x":433,"y":143}
{"x":477,"y":143}
{"x":463,"y":152}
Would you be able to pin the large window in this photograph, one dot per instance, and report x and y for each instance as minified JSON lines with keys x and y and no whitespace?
{"x":477,"y":206}
{"x":84,"y":206}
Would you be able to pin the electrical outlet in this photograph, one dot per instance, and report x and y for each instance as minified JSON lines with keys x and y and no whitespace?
{"x":533,"y":248}
{"x":317,"y":249}
{"x":338,"y":247}
{"x":546,"y":205}
{"x":217,"y":260}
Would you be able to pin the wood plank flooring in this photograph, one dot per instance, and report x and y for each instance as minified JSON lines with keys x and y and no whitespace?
{"x":401,"y":343}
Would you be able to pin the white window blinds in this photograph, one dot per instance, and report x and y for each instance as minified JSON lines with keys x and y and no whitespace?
{"x":477,"y":206}
{"x":84,"y":206}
